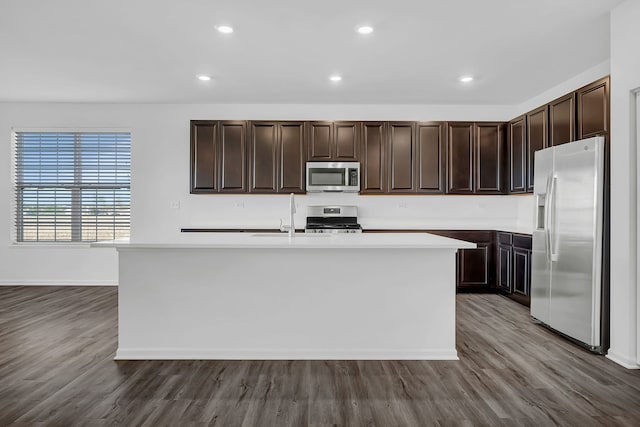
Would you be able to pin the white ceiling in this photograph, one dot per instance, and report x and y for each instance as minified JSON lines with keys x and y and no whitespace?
{"x":283,"y":51}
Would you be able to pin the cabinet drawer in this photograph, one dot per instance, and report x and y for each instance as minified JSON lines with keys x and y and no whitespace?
{"x":504,"y":238}
{"x":522,"y":241}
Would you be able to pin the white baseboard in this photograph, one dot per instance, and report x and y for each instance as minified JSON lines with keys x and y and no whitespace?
{"x":623,"y":361}
{"x":58,"y":283}
{"x":281,"y":354}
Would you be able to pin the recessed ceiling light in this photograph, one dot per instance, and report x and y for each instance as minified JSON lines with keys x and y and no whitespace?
{"x":224,"y":29}
{"x":365,"y":29}
{"x":204,"y":78}
{"x":466,"y":79}
{"x":335,"y":78}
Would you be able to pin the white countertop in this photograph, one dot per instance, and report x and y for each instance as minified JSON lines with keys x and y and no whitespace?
{"x":298,"y":241}
{"x":394,"y":225}
{"x":379,"y":224}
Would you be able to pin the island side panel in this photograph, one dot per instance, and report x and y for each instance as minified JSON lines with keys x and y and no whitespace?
{"x":288,"y":303}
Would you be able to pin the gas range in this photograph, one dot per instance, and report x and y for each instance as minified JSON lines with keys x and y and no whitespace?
{"x":332,"y":219}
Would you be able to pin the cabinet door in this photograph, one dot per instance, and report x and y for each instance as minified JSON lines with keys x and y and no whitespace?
{"x":204,"y":135}
{"x":401,"y":164}
{"x":504,"y":268}
{"x":460,"y":162}
{"x":373,"y":171}
{"x":476,"y":268}
{"x":593,"y":109}
{"x":291,"y":162}
{"x":473,"y":266}
{"x":562,"y":126}
{"x":431,"y":157}
{"x":347,"y":141}
{"x":521,"y":273}
{"x":489,"y":149}
{"x":320,"y":140}
{"x":263,"y":149}
{"x":517,"y":155}
{"x":233,"y":157}
{"x":537,"y":139}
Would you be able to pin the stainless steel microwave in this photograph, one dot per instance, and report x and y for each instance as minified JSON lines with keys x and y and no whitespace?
{"x":323,"y":177}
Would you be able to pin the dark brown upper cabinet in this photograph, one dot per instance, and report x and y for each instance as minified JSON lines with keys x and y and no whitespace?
{"x":291,"y":158}
{"x":431,"y":157}
{"x":204,"y":136}
{"x":333,"y":141}
{"x":232,"y":154}
{"x":320,"y":140}
{"x":218,"y":156}
{"x":562,"y":120}
{"x":263,"y":157}
{"x":373,"y":167}
{"x":347,"y":140}
{"x":489,"y":157}
{"x":460,"y":151}
{"x":276,"y":157}
{"x":593,"y":109}
{"x":402,"y":155}
{"x":537,"y":139}
{"x":517,"y":155}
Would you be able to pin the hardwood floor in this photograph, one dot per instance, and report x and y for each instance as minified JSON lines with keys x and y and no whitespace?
{"x":56,"y":368}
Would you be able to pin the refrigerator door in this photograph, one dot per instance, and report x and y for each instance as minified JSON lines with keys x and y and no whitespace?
{"x":540,"y":261}
{"x":575,"y":225}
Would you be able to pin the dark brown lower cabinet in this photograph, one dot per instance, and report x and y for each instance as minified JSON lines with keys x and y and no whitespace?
{"x":501,"y":262}
{"x":514,"y":266}
{"x":521,"y":275}
{"x":476,"y":268}
{"x":505,"y":255}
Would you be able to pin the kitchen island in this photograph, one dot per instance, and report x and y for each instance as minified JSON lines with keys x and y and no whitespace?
{"x":272,"y":296}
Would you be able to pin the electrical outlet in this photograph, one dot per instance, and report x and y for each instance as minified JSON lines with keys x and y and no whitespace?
{"x":174,"y":204}
{"x":402,"y":205}
{"x":239,"y":205}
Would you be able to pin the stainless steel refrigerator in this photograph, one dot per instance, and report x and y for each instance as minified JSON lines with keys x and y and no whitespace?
{"x":566,"y":271}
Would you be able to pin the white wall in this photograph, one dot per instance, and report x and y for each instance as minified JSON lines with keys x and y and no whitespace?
{"x":588,"y":76}
{"x":625,"y":78}
{"x":160,"y":174}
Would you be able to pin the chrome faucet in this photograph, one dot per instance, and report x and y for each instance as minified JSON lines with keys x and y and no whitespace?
{"x":292,"y":210}
{"x":291,"y":228}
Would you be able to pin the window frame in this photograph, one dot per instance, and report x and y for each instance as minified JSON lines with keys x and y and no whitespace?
{"x":13,"y":205}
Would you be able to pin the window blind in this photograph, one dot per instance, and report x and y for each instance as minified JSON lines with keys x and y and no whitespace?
{"x":72,"y":186}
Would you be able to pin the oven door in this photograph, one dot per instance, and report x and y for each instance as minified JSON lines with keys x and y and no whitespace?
{"x":333,"y":177}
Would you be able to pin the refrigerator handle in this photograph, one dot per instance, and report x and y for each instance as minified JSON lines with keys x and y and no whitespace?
{"x":547,"y":237}
{"x":553,"y":256}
